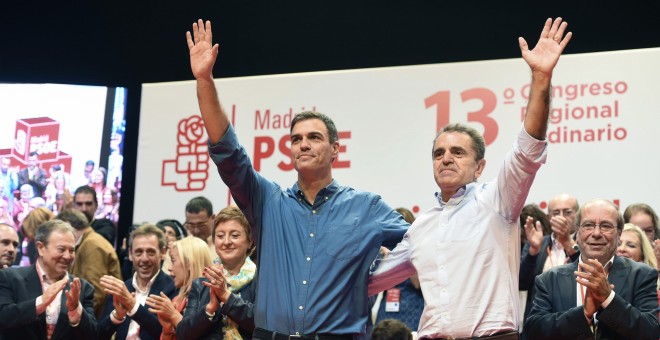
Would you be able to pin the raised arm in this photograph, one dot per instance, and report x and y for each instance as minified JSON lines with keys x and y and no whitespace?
{"x":202,"y":58}
{"x":542,"y":61}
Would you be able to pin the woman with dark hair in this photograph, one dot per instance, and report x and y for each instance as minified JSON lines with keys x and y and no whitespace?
{"x":173,"y":229}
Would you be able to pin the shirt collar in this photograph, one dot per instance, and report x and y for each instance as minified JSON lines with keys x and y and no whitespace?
{"x":135,"y":284}
{"x":328,"y":191}
{"x":44,"y":276}
{"x":608,"y":265}
{"x":454,"y":200}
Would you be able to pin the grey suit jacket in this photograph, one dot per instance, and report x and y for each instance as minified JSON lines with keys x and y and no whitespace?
{"x":630,"y":315}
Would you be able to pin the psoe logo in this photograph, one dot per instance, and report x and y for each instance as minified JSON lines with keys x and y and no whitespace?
{"x":189,"y":170}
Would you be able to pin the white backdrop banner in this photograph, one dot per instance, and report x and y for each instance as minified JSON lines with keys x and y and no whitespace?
{"x":605,"y":114}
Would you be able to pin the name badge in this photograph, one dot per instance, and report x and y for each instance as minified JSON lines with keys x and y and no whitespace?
{"x":392,"y":299}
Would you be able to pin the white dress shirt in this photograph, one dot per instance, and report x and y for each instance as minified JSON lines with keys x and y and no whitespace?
{"x":467,"y":252}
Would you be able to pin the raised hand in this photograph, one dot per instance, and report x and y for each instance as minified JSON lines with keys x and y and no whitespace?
{"x":534,"y":235}
{"x":73,"y":295}
{"x":217,"y":282}
{"x":551,"y":44}
{"x":52,"y":291}
{"x":163,"y":307}
{"x":120,"y":294}
{"x":202,"y":51}
{"x":593,"y":276}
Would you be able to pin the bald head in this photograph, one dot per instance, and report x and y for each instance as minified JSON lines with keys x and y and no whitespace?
{"x":564,"y":205}
{"x":8,"y":245}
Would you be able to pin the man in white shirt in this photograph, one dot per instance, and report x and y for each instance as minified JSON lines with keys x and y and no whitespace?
{"x":466,"y":251}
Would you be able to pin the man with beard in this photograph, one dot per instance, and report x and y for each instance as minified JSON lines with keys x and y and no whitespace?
{"x":8,"y":245}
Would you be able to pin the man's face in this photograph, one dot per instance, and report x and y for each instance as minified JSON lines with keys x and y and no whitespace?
{"x":563,"y":205}
{"x":86,"y":204}
{"x":199,"y":224}
{"x":8,"y":246}
{"x":311,"y":149}
{"x":32,"y":161}
{"x":57,"y":254}
{"x":598,"y":243}
{"x":4,"y":165}
{"x":454,"y":163}
{"x":645,"y":222}
{"x":146,"y":256}
{"x":88,"y":169}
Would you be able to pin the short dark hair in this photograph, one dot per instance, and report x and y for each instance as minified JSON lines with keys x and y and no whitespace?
{"x":47,"y":228}
{"x":199,"y":203}
{"x":179,"y":230}
{"x":391,"y":329}
{"x":333,"y":135}
{"x":33,"y":153}
{"x":90,"y":162}
{"x":76,"y":219}
{"x":478,"y":143}
{"x":85,"y":189}
{"x":537,"y":214}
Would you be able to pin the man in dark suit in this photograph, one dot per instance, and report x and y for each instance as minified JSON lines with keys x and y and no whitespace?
{"x":33,"y":175}
{"x":541,"y":253}
{"x":125,"y":311}
{"x":602,"y":296}
{"x":43,"y":301}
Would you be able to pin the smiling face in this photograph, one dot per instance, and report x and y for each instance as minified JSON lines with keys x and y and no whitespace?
{"x":57,"y":254}
{"x":146,"y":256}
{"x":631,"y":246}
{"x":311,"y":149}
{"x":231,"y":244}
{"x":596,"y":243}
{"x":454,"y":162}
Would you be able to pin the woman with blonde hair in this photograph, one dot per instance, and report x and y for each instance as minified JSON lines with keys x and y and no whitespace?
{"x":32,"y":221}
{"x":636,"y":246}
{"x":189,"y":258}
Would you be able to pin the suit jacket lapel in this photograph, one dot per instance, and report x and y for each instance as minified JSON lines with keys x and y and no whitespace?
{"x":63,"y":318}
{"x":34,"y":290}
{"x":618,"y":273}
{"x":567,"y":284}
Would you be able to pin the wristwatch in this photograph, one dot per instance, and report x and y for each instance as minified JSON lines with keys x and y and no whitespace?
{"x":576,"y":248}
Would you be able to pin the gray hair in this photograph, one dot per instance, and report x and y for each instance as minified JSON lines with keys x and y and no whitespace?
{"x":478,"y":143}
{"x":47,"y":228}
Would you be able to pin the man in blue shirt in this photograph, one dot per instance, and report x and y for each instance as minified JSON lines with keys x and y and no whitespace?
{"x":316,"y":239}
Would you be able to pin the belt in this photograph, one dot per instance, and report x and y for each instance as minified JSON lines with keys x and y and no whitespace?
{"x":264,"y":334}
{"x":506,"y":335}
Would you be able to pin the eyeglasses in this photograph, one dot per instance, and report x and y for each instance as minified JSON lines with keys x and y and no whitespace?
{"x":565,"y":212}
{"x":198,"y":225}
{"x":605,"y":227}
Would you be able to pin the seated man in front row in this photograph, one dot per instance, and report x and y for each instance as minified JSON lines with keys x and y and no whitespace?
{"x":604,"y":296}
{"x":43,"y":301}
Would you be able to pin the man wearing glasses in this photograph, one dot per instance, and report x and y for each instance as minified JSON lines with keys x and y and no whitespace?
{"x":541,"y":253}
{"x":602,"y":295}
{"x":199,"y":222}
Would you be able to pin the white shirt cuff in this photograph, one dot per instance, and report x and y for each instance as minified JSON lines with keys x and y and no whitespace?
{"x":134,"y":309}
{"x":608,"y":300}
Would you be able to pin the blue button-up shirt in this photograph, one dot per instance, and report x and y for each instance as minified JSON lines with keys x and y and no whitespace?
{"x":313,"y":258}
